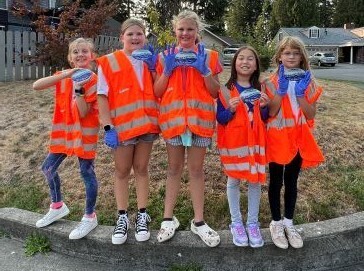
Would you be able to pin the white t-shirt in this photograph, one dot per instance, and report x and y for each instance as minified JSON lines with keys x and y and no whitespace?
{"x":293,"y":99}
{"x":103,"y":87}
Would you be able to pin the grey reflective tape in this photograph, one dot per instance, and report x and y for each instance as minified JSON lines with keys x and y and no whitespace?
{"x":114,"y":64}
{"x":90,"y":131}
{"x":302,"y":119}
{"x":170,"y":107}
{"x":281,"y":123}
{"x":171,"y":123}
{"x":151,"y":104}
{"x":134,"y":123}
{"x":63,"y":86}
{"x":125,"y":109}
{"x":65,"y":127}
{"x":271,"y":86}
{"x":202,"y":123}
{"x":201,"y":105}
{"x":89,"y":147}
{"x":69,"y":143}
{"x":242,"y":151}
{"x":226,"y":93}
{"x":253,"y":169}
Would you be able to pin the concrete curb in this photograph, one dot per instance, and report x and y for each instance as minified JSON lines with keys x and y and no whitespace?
{"x":328,"y":244}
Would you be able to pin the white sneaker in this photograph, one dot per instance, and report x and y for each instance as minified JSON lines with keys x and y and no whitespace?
{"x":52,"y":215}
{"x":277,"y":234}
{"x":120,"y":233}
{"x":86,"y":225}
{"x":142,"y":232}
{"x":294,"y":238}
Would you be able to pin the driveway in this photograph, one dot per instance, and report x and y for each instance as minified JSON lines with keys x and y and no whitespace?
{"x":347,"y":72}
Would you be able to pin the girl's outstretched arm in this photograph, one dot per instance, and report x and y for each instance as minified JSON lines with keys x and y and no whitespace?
{"x":49,"y":81}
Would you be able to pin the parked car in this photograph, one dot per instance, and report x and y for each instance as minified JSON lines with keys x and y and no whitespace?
{"x":228,"y":55}
{"x":320,"y":58}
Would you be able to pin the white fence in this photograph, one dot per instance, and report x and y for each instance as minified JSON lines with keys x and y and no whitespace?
{"x":14,"y":46}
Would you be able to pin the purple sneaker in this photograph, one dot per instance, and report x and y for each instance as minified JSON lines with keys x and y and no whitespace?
{"x":240,"y":238}
{"x":255,"y":237}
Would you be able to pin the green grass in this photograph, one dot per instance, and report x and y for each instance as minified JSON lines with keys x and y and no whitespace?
{"x":186,"y":267}
{"x":28,"y":197}
{"x":36,"y":243}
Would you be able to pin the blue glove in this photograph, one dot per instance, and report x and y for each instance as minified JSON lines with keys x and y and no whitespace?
{"x":111,"y":138}
{"x":282,"y":82}
{"x":169,"y":60}
{"x":152,"y":60}
{"x":200,"y":63}
{"x":302,"y":84}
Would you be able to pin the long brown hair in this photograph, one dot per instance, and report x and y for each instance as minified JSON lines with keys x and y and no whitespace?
{"x":254,"y":78}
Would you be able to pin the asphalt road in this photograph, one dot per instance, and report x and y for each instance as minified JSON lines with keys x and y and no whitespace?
{"x":347,"y":72}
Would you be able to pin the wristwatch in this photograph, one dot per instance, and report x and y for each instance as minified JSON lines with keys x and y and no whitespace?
{"x":108,"y":127}
{"x":80,"y":91}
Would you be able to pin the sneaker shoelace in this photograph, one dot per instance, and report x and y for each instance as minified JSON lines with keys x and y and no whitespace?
{"x":142,"y":221}
{"x":121,"y":225}
{"x":279,"y":230}
{"x":240,"y":230}
{"x":254,"y":231}
{"x":293,"y":232}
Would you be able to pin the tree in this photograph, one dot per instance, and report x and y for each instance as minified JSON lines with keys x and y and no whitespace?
{"x":325,"y":11}
{"x":73,"y":22}
{"x":348,"y":11}
{"x":241,"y":17}
{"x":295,"y":13}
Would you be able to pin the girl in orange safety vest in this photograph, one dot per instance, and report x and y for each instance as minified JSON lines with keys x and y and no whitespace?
{"x":187,"y":120}
{"x":74,"y":133}
{"x":241,"y":142}
{"x":129,"y":112}
{"x":290,"y":143}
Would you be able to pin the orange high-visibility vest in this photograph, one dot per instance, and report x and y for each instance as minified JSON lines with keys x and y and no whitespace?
{"x":187,"y":101}
{"x":285,"y":135}
{"x":71,"y":134}
{"x":242,"y":145}
{"x":133,"y":109}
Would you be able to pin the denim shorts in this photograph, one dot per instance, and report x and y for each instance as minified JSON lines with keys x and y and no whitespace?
{"x":197,"y":141}
{"x":135,"y":140}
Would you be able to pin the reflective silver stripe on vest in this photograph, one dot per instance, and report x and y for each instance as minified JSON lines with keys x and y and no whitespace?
{"x":114,"y":64}
{"x":134,"y":123}
{"x":302,"y":119}
{"x":63,"y":85}
{"x":201,"y":105}
{"x":271,"y":86}
{"x":226,"y":94}
{"x":164,"y":109}
{"x":129,"y":108}
{"x":242,"y":151}
{"x":257,"y":168}
{"x":279,"y":122}
{"x":193,"y":120}
{"x":77,"y":143}
{"x":171,"y":123}
{"x":75,"y":127}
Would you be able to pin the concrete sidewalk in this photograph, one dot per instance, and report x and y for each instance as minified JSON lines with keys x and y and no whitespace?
{"x":336,"y":244}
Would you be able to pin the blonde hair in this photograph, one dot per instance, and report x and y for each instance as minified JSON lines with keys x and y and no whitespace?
{"x":190,"y":15}
{"x":130,"y":22}
{"x":73,"y":44}
{"x":294,"y":43}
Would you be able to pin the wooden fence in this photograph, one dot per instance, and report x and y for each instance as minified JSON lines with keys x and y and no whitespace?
{"x":14,"y":46}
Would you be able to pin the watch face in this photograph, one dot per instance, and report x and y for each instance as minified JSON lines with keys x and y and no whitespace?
{"x":107,"y":127}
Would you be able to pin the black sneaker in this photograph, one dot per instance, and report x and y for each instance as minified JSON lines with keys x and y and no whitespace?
{"x":141,"y":227}
{"x":120,"y":233}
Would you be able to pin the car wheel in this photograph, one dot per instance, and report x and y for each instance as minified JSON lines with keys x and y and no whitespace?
{"x":319,"y":63}
{"x":333,"y":65}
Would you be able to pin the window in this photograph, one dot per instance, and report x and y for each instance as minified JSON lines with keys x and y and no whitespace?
{"x":52,"y":3}
{"x":4,"y":4}
{"x":280,"y":36}
{"x":314,"y":33}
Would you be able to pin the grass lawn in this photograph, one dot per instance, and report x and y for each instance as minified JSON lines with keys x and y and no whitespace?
{"x":336,"y":188}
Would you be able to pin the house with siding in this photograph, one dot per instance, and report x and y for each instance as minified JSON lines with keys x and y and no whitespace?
{"x":344,"y":43}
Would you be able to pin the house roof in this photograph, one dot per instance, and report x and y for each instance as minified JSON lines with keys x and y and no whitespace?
{"x":227,"y":41}
{"x":327,"y":36}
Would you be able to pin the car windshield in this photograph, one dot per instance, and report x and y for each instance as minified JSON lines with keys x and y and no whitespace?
{"x":329,"y":54}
